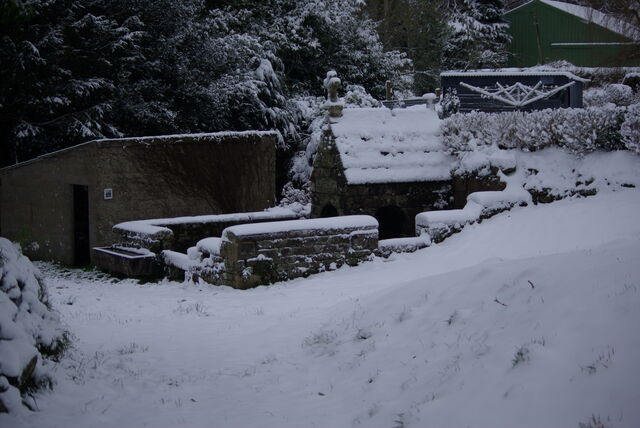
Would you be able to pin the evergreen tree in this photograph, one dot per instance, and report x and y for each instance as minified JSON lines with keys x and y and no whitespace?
{"x":311,"y":37}
{"x":71,"y":71}
{"x":478,"y":35}
{"x":417,"y":28}
{"x":57,"y":59}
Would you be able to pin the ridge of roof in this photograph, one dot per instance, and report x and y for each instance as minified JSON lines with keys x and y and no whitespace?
{"x":592,"y":15}
{"x":513,"y":72}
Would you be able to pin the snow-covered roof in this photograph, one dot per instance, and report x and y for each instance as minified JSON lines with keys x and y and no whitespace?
{"x":595,"y":16}
{"x":378,"y":145}
{"x":513,"y":72}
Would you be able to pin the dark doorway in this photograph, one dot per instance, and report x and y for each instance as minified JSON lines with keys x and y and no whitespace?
{"x":329,"y":211}
{"x":391,"y":222}
{"x":80,"y":225}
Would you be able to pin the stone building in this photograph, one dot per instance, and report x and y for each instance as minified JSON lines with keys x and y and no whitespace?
{"x":61,"y":204}
{"x":389,"y":164}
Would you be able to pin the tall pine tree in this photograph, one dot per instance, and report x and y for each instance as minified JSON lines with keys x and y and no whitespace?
{"x":478,"y":35}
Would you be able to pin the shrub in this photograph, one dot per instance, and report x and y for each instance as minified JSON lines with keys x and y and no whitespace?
{"x":450,"y":104}
{"x":29,"y":330}
{"x":615,"y":93}
{"x":357,"y":96}
{"x":578,"y":130}
{"x":630,"y":129}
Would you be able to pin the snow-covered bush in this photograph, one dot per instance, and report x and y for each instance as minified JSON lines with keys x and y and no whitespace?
{"x":302,"y":162}
{"x":616,"y":93}
{"x":357,"y":96}
{"x":579,"y":130}
{"x":449,"y":105}
{"x":297,"y":199}
{"x":29,"y":330}
{"x":630,"y":129}
{"x":633,"y":81}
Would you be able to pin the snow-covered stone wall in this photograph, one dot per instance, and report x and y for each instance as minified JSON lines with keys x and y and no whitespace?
{"x":129,"y":179}
{"x":263,"y":253}
{"x":29,"y":329}
{"x":180,"y":233}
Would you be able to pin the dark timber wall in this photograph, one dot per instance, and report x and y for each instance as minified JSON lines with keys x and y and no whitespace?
{"x":471,"y":100}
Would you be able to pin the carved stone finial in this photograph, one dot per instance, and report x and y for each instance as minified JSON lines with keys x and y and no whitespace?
{"x":332,"y":83}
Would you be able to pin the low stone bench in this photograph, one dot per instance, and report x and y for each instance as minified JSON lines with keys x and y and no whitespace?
{"x":263,"y":253}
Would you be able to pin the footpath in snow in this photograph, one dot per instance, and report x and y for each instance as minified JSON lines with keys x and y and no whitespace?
{"x":528,"y":319}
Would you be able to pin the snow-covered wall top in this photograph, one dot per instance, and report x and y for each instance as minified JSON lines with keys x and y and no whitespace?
{"x":513,"y":72}
{"x":195,"y":137}
{"x":159,"y":225}
{"x":213,"y":136}
{"x":378,"y":145}
{"x":344,"y":222}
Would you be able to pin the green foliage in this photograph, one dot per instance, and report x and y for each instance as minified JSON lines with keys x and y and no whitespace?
{"x":577,"y":130}
{"x":418,"y":29}
{"x":76,"y":71}
{"x":478,"y":36}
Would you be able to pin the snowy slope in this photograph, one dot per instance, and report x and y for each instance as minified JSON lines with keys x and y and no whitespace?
{"x":528,"y":319}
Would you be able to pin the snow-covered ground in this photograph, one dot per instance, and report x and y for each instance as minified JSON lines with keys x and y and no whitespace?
{"x":529,"y":319}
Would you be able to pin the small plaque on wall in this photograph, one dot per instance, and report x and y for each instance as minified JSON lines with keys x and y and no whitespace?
{"x":108,"y":194}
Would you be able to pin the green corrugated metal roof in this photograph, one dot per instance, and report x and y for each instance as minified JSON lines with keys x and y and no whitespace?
{"x":547,"y":30}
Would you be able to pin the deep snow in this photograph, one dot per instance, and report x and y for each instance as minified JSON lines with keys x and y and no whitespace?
{"x":527,"y":319}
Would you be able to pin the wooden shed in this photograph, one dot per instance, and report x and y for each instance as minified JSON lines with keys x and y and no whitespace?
{"x":513,"y":89}
{"x":544,"y":31}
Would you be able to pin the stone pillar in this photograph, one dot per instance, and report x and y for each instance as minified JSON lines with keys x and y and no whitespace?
{"x":333,"y":104}
{"x":389,"y":90}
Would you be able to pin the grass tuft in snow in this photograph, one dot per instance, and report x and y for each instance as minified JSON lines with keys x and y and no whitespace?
{"x":321,"y":342}
{"x":521,"y":356}
{"x":132,"y":348}
{"x":594,"y":422}
{"x":603,"y":361}
{"x":197,"y":308}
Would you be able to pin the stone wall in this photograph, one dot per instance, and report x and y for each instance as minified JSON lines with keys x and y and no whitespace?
{"x":37,"y":202}
{"x":258,"y":254}
{"x":149,"y":178}
{"x":184,"y":176}
{"x":463,"y":186}
{"x":179,"y":234}
{"x":330,"y":188}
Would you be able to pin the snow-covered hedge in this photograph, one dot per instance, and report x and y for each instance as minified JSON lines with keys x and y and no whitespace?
{"x":630,"y":129}
{"x":578,"y":130}
{"x":29,"y":330}
{"x":615,"y":93}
